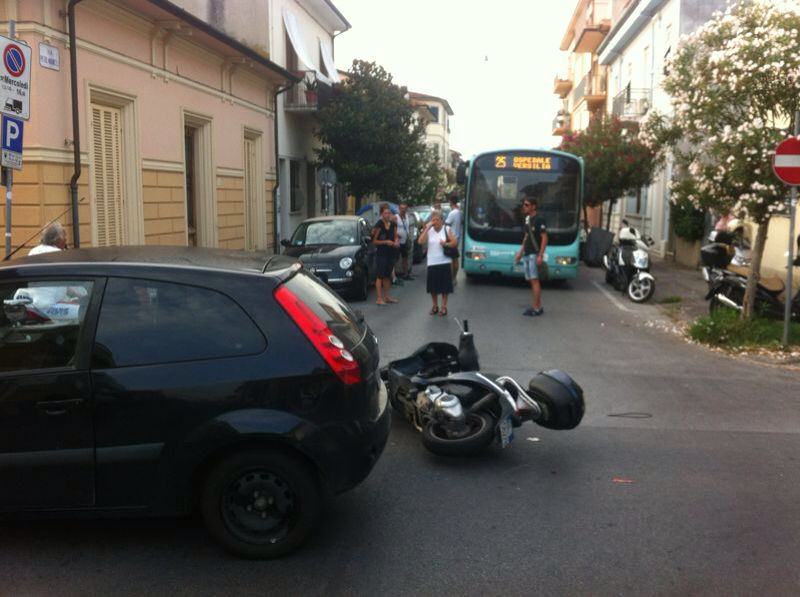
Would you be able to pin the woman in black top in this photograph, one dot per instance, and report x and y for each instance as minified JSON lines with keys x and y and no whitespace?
{"x":384,"y":237}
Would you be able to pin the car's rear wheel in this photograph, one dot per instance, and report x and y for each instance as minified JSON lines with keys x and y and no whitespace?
{"x":261,"y":503}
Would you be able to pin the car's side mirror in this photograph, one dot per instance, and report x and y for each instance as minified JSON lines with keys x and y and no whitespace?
{"x":461,"y":172}
{"x":286,"y":242}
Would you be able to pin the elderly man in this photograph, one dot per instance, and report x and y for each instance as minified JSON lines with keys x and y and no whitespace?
{"x":54,"y":238}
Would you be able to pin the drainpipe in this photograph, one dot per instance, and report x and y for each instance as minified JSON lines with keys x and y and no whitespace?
{"x":76,"y":138}
{"x":277,"y":168}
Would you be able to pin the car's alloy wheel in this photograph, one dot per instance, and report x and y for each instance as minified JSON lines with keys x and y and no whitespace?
{"x":261,"y":503}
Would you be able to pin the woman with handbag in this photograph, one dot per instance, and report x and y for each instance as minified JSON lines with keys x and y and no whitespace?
{"x":441,"y":243}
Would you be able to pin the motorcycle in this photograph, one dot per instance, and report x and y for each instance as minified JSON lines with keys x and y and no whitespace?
{"x":460,"y":411}
{"x":627,"y":265}
{"x":726,"y":269}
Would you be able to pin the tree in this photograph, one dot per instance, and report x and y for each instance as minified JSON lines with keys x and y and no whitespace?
{"x":429,"y":183}
{"x":371,"y":136}
{"x":733,"y":99}
{"x":616,"y":162}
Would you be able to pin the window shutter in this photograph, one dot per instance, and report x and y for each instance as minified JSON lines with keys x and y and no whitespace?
{"x":107,"y":160}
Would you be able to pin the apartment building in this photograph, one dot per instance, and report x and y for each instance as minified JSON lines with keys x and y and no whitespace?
{"x":582,"y":87}
{"x":644,"y":34}
{"x":298,"y":35}
{"x":176,"y":127}
{"x":437,"y":132}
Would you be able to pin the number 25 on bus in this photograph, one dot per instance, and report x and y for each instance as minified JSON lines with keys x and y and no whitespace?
{"x":496,"y":183}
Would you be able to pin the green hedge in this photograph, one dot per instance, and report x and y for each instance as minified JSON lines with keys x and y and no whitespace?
{"x":688,"y":221}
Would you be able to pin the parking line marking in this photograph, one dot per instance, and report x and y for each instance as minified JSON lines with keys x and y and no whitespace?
{"x":611,"y":297}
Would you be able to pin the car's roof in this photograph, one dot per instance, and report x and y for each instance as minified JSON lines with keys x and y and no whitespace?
{"x":191,"y":257}
{"x":326,"y":218}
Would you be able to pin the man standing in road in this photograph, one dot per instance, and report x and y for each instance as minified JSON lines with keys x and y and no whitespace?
{"x":403,"y":225}
{"x":455,"y":221}
{"x":532,"y":251}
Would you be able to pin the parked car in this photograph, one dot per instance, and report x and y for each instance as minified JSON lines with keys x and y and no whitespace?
{"x":160,"y":380}
{"x":338,"y":250}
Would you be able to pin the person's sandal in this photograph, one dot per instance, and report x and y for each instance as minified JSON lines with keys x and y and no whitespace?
{"x":434,"y":310}
{"x":393,"y":301}
{"x":443,"y":312}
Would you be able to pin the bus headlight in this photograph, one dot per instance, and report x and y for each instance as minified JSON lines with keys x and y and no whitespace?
{"x":477,"y":254}
{"x":346,"y":263}
{"x":566,"y":260}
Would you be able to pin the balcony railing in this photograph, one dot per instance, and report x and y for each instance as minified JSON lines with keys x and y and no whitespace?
{"x":561,"y":123}
{"x":301,"y":98}
{"x":631,"y":104}
{"x":592,"y":88}
{"x":562,"y":85}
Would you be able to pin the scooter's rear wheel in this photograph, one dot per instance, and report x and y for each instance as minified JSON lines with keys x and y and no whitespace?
{"x":481,"y":431}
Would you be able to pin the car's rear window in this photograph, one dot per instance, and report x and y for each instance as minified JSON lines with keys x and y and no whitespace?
{"x":328,"y":307}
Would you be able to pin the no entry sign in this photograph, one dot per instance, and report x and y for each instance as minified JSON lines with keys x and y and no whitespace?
{"x":786,"y":162}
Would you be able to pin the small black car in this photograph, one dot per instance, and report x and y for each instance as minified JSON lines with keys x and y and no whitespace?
{"x":147,"y":380}
{"x":337,"y":250}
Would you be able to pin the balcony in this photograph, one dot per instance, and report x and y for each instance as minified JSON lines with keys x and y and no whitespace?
{"x":561,"y":124}
{"x":562,"y":85}
{"x":632,"y":104}
{"x":309,"y":94}
{"x":591,"y":89}
{"x":589,"y":26}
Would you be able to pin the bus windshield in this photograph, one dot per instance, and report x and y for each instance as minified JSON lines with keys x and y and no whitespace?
{"x":498,"y":183}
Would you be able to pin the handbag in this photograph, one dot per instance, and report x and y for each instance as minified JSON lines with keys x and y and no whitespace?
{"x":451,"y":252}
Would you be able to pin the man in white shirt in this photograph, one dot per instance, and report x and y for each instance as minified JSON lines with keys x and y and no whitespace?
{"x":54,"y":238}
{"x":455,"y":221}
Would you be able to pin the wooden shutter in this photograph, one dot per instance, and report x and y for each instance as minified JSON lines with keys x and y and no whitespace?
{"x":107,"y":161}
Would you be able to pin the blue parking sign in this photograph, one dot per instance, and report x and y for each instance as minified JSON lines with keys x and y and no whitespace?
{"x":12,"y":134}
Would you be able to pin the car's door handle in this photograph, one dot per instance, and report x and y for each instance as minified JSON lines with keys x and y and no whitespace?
{"x":57,"y":407}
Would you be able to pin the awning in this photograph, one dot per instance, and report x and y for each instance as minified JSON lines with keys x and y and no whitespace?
{"x":295,"y":36}
{"x":327,"y":60}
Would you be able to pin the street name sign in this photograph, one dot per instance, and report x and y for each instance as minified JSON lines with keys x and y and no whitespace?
{"x":11,"y":142}
{"x":15,"y":77}
{"x":786,"y":163}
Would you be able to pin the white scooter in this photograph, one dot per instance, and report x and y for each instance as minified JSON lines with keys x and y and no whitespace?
{"x":628,"y":264}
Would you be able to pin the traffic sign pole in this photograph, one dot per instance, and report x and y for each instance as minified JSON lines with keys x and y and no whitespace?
{"x":9,"y":181}
{"x":789,"y":295}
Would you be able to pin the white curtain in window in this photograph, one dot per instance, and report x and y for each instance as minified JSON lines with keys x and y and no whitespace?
{"x":327,"y":59}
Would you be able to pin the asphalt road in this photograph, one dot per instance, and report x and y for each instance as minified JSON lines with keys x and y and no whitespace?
{"x":682,"y":479}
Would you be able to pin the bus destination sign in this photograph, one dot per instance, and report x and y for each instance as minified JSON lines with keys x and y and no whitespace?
{"x":523,"y":162}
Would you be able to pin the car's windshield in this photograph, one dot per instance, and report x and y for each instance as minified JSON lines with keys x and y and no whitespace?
{"x":497,"y":188}
{"x":326,"y":232}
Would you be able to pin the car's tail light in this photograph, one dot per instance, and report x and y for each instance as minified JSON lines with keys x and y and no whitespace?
{"x":324,"y":340}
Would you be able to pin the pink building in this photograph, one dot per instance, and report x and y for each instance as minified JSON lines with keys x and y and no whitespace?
{"x":177,"y":127}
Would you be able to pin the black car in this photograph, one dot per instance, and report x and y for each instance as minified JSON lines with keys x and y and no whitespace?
{"x":337,"y":250}
{"x":162,"y":380}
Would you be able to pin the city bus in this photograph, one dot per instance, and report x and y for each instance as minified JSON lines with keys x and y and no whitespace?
{"x":496,"y":182}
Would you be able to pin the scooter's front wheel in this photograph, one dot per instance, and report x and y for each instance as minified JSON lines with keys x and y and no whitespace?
{"x":480,"y":432}
{"x":641,"y":289}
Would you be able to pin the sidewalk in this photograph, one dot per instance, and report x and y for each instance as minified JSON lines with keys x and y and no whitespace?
{"x":674,"y":281}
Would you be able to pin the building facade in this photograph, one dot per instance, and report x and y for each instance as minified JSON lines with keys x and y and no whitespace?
{"x":582,"y":87}
{"x":644,"y":34}
{"x":437,"y":131}
{"x":299,"y":36}
{"x":176,"y":145}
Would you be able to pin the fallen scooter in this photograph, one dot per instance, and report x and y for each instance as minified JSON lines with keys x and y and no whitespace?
{"x":461,"y":411}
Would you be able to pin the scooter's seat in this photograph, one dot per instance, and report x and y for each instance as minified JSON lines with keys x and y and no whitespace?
{"x":772,"y":284}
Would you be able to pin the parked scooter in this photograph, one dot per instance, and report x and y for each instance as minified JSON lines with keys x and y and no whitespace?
{"x":726,"y":271}
{"x":628,"y":264}
{"x":461,"y":411}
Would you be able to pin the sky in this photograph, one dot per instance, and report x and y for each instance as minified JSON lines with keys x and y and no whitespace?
{"x":493,"y":60}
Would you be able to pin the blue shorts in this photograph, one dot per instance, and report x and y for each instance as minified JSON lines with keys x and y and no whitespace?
{"x":530,"y":267}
